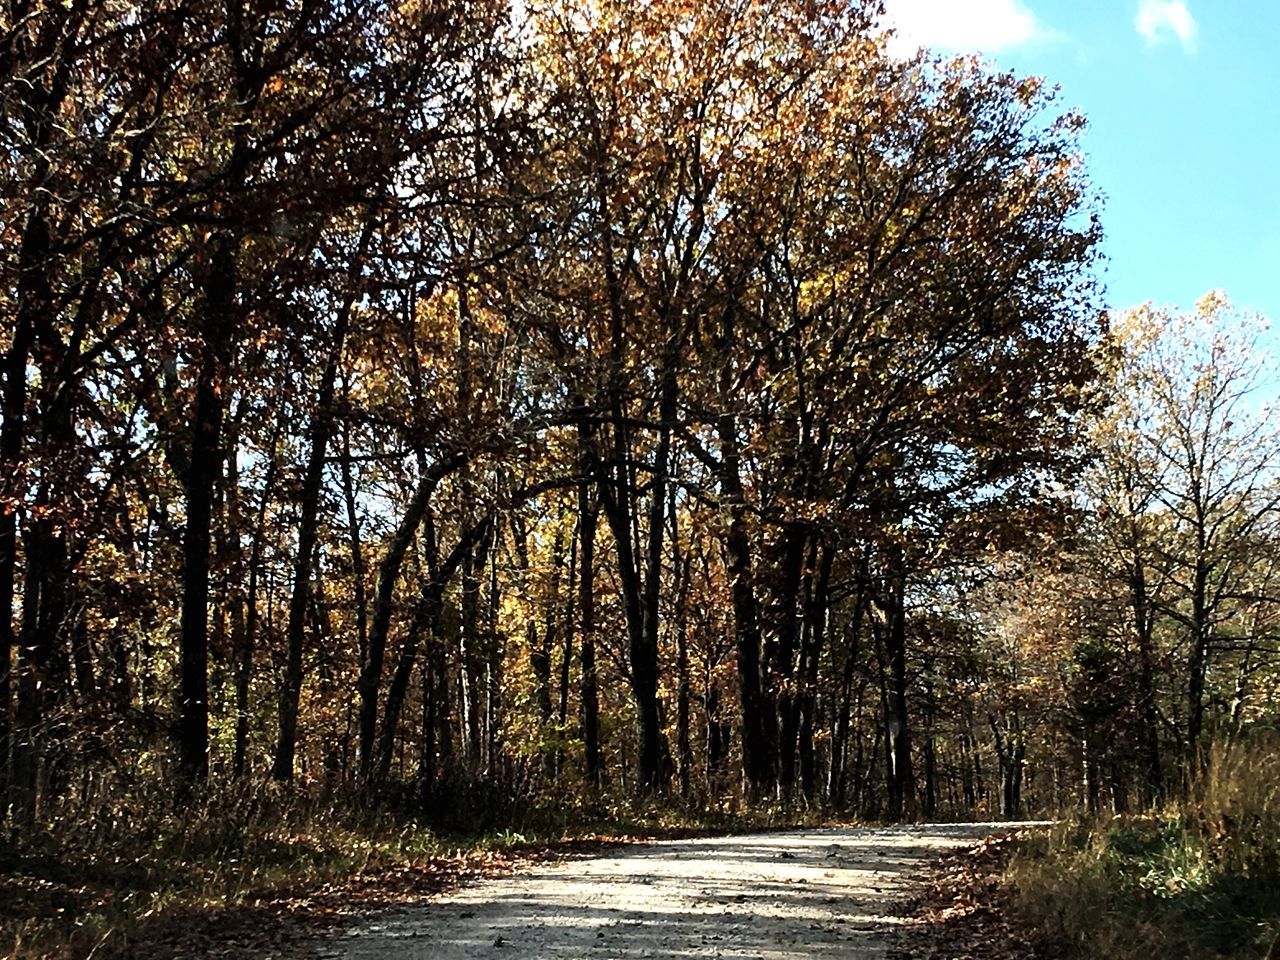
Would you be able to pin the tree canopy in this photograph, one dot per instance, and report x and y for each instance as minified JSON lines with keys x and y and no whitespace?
{"x":588,"y":399}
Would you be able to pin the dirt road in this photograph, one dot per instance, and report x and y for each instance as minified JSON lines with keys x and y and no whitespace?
{"x":813,"y":895}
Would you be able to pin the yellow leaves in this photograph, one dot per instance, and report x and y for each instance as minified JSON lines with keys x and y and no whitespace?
{"x":1029,"y":89}
{"x":1213,"y":304}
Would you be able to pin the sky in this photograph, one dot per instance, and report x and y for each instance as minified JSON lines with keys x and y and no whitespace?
{"x":1183,"y":144}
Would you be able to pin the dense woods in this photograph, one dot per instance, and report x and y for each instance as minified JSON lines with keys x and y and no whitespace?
{"x":450,"y":406}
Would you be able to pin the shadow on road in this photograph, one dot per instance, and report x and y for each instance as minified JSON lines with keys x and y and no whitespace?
{"x":814,"y":894}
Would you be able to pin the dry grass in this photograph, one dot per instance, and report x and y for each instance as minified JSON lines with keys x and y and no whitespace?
{"x":87,"y":875}
{"x":1199,"y":879}
{"x":95,"y":876}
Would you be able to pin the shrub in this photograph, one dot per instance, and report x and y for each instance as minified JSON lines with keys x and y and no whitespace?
{"x":1200,"y":878}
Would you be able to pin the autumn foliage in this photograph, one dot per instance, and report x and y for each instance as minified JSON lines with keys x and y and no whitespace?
{"x":448,"y":406}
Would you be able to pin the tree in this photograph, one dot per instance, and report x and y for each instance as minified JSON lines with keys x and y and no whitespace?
{"x":1213,"y":471}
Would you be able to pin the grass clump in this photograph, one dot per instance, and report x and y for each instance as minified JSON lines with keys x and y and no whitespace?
{"x":1198,"y":879}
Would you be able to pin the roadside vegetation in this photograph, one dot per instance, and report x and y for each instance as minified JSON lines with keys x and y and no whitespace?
{"x":1194,"y":879}
{"x":248,"y":869}
{"x":81,"y":884}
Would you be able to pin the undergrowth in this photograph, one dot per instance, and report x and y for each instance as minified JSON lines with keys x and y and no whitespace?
{"x":1197,"y":879}
{"x":104,"y":871}
{"x":74,"y":880}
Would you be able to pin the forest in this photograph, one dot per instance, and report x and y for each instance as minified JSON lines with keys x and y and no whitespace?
{"x":451,"y":409}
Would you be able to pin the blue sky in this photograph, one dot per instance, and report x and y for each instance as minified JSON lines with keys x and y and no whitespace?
{"x":1183,"y":101}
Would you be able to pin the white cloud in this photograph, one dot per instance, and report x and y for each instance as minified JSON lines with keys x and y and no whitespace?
{"x":1157,"y":19}
{"x":962,"y":26}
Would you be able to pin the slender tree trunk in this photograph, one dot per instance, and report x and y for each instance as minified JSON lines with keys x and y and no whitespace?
{"x":213,"y":362}
{"x":321,"y":431}
{"x":810,"y":651}
{"x":967,"y":788}
{"x":587,"y":513}
{"x":902,"y":795}
{"x":441,"y":709}
{"x":929,"y":749}
{"x":34,"y":297}
{"x":1239,"y":694}
{"x":566,"y":653}
{"x":893,"y":786}
{"x":757,"y":744}
{"x":370,"y":680}
{"x":684,"y":748}
{"x":540,"y":663}
{"x":425,"y":620}
{"x":1197,"y":664}
{"x":1150,"y":733}
{"x":780,"y":655}
{"x":427,"y":735}
{"x":244,"y":668}
{"x":837,"y":787}
{"x":493,"y":669}
{"x":541,"y":646}
{"x":682,"y":565}
{"x":357,"y":554}
{"x":468,"y":663}
{"x":12,"y":429}
{"x":717,"y":735}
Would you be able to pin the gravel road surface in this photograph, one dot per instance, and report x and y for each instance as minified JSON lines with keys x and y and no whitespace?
{"x":805,"y":895}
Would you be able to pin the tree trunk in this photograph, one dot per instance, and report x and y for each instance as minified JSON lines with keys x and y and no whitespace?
{"x":587,"y":606}
{"x":1197,"y":665}
{"x":757,"y":744}
{"x":566,"y":653}
{"x":249,"y":638}
{"x":619,"y":506}
{"x":12,"y":429}
{"x":370,"y":680}
{"x":813,"y":638}
{"x":468,"y":659}
{"x":837,"y":783}
{"x":34,"y":298}
{"x":1150,"y":733}
{"x":684,"y":749}
{"x":717,"y":736}
{"x":493,"y":669}
{"x":322,"y":421}
{"x":213,"y":362}
{"x":780,"y":655}
{"x":644,"y":658}
{"x":902,"y":792}
{"x":930,"y":770}
{"x":541,"y":646}
{"x":427,"y":735}
{"x":44,"y":682}
{"x":37,"y":105}
{"x":426,"y":617}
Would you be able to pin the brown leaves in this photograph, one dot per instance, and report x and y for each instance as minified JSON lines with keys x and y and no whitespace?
{"x":282,"y":923}
{"x":958,"y":915}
